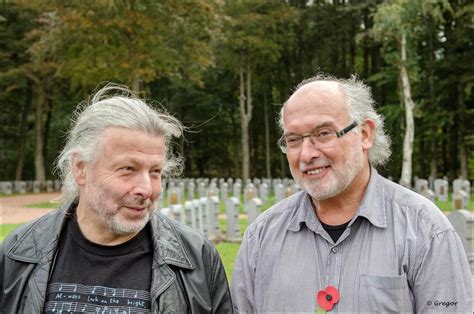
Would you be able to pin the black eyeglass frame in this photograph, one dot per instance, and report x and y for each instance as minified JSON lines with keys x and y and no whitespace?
{"x":282,"y":143}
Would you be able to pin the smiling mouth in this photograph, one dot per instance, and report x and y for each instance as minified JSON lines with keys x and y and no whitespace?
{"x":138,"y":209}
{"x":316,"y":171}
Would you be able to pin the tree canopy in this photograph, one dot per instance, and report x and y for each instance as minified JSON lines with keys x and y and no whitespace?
{"x":225,"y":67}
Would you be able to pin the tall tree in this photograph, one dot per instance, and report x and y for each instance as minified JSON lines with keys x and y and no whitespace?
{"x":251,"y":31}
{"x":397,"y":21}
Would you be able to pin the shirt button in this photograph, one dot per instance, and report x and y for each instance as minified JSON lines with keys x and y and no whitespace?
{"x":334,"y":250}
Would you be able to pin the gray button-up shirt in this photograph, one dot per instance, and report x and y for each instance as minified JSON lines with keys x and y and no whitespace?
{"x":399,"y":253}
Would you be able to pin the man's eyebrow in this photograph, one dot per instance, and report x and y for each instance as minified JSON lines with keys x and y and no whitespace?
{"x":134,"y":161}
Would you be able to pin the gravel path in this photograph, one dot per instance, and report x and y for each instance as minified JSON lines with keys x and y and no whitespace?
{"x":13,"y":209}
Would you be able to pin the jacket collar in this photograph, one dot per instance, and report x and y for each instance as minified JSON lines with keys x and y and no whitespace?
{"x":38,"y":239}
{"x":169,"y":247}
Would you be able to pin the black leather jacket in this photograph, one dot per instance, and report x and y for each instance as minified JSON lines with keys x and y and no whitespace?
{"x":188,"y":275}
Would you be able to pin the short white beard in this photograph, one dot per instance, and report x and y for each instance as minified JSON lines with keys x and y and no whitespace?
{"x":344,"y":178}
{"x":115,"y":224}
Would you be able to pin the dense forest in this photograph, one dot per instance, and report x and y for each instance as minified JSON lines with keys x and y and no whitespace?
{"x":224,"y":67}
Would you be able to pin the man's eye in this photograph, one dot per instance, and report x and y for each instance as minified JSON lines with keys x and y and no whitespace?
{"x":292,"y":140}
{"x":323,"y":133}
{"x":156,"y":172}
{"x":126,"y":169}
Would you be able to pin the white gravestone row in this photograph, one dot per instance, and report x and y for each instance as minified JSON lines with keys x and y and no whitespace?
{"x":422,"y":187}
{"x":199,"y":214}
{"x":22,"y":187}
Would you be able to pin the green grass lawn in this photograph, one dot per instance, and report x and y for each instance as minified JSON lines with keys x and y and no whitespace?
{"x":6,"y":229}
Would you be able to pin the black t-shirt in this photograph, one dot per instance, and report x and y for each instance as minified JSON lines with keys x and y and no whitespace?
{"x":89,"y":277}
{"x":335,"y":232}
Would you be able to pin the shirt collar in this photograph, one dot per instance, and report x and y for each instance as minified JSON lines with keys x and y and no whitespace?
{"x":303,"y":213}
{"x":372,"y":207}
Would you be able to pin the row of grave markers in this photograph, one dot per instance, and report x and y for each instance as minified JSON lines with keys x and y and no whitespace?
{"x":461,"y":191}
{"x":203,"y":215}
{"x":432,"y":189}
{"x":23,"y":187}
{"x":200,"y":209}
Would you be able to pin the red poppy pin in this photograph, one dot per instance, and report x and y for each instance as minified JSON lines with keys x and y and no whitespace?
{"x":328,"y":297}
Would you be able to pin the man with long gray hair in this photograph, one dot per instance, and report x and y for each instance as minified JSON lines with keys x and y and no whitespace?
{"x":351,"y":241}
{"x":106,"y":250}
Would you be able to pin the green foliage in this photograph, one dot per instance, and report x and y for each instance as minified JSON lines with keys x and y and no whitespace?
{"x":186,"y":54}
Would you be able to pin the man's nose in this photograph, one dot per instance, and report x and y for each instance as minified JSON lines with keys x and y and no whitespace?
{"x":308,"y":150}
{"x":143,"y":186}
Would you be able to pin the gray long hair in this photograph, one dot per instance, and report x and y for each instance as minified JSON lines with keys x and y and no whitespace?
{"x":360,"y":106}
{"x":113,"y":106}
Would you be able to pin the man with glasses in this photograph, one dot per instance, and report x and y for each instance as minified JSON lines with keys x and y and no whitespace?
{"x":351,"y":241}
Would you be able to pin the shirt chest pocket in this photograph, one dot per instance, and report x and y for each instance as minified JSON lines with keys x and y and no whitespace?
{"x":384,"y":294}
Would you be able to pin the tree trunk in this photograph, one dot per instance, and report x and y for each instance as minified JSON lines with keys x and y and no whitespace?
{"x":433,"y":122}
{"x":245,"y":105}
{"x":405,"y":178}
{"x":23,"y":136}
{"x":267,"y":138}
{"x":39,"y":133}
{"x":461,"y":129}
{"x":136,"y":84}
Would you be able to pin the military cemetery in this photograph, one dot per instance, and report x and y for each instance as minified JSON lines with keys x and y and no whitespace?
{"x":208,"y":207}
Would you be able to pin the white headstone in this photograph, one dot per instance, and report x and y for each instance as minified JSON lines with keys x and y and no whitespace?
{"x":279,"y":192}
{"x":263,"y":192}
{"x":429,"y":194}
{"x":189,"y":214}
{"x":36,"y":187}
{"x":167,"y":212}
{"x":7,"y":187}
{"x":236,"y":190}
{"x":421,"y":185}
{"x":224,"y":192}
{"x":49,"y":186}
{"x":198,"y":216}
{"x":191,"y":189}
{"x":19,"y":187}
{"x":232,"y":211}
{"x":212,"y":205}
{"x":178,"y":212}
{"x":460,"y":200}
{"x":253,"y":209}
{"x":441,"y":189}
{"x":57,"y":185}
{"x":463,"y":222}
{"x":204,"y":216}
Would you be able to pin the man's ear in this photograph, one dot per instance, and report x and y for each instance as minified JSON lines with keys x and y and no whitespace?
{"x":78,"y":169}
{"x":368,"y":133}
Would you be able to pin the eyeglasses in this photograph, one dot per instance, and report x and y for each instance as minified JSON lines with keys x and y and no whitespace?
{"x":322,"y":138}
